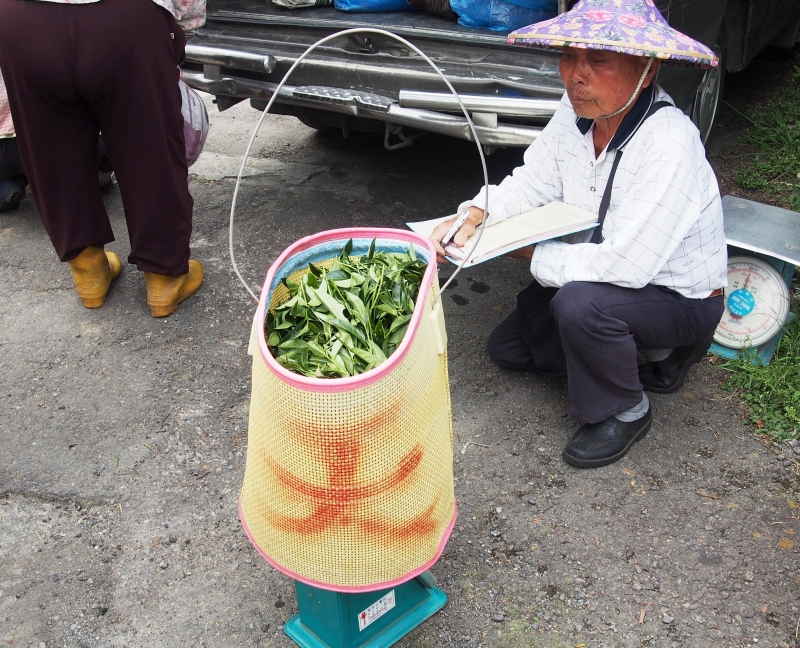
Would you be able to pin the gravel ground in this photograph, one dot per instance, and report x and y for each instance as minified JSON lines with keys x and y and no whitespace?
{"x":124,"y":440}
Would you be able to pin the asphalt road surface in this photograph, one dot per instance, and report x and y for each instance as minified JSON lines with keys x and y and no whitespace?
{"x":124,"y":439}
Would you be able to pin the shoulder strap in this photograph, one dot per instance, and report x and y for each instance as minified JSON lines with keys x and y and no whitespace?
{"x":606,"y":199}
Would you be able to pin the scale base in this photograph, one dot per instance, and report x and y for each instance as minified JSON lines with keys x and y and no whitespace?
{"x":331,"y":619}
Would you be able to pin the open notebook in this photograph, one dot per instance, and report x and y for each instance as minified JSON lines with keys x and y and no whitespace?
{"x":550,"y":221}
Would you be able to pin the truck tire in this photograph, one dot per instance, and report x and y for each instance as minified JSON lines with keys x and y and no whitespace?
{"x":331,"y":122}
{"x":709,"y":93}
{"x":317,"y":125}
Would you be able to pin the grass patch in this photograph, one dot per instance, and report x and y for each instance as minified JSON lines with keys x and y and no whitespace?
{"x":772,"y":393}
{"x":773,"y":144}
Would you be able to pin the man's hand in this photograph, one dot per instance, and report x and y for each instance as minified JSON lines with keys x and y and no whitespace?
{"x":474,"y":219}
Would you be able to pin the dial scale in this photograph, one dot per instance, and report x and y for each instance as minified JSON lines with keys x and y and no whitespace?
{"x":756,"y":303}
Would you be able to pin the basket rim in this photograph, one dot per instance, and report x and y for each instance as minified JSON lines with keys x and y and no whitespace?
{"x":350,"y":383}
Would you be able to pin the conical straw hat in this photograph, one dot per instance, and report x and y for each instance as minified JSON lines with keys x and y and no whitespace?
{"x":626,"y":26}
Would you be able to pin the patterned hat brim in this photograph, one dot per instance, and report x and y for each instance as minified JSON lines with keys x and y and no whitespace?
{"x":669,"y":56}
{"x":642,"y":33}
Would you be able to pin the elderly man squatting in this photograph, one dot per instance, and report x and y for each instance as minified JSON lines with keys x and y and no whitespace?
{"x":647,"y":283}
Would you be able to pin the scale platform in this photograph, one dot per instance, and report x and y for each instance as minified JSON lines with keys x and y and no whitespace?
{"x":772,"y":235}
{"x":378,"y":619}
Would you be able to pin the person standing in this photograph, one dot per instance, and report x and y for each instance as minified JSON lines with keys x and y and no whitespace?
{"x":74,"y":68}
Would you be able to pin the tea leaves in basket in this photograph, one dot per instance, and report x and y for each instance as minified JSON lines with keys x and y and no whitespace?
{"x":349,"y":318}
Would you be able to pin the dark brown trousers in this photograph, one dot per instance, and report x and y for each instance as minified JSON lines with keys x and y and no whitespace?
{"x":591,"y":332}
{"x":75,"y":70}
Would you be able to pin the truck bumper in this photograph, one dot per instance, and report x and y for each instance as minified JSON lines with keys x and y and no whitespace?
{"x":509,"y":100}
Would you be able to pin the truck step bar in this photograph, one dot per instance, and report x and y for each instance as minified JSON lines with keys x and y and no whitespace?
{"x":230,"y":58}
{"x":502,"y":106}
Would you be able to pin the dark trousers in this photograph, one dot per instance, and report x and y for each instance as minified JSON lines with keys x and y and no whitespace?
{"x":600,"y":327}
{"x":11,"y":162}
{"x":75,"y":70}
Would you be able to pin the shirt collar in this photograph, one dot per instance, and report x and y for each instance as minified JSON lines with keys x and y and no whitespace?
{"x":630,"y":124}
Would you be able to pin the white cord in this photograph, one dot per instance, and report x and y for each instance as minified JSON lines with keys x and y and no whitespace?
{"x":272,"y":100}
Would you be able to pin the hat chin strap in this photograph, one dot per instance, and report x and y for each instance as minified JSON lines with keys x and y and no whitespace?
{"x":633,"y":96}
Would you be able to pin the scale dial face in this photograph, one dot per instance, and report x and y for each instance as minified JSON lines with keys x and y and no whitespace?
{"x":756,"y":303}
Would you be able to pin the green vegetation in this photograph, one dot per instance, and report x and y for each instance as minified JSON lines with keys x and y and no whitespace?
{"x":772,"y":393}
{"x":774,"y":140}
{"x":348,"y":318}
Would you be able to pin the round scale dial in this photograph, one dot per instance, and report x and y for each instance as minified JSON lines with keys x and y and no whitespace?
{"x":756,"y":303}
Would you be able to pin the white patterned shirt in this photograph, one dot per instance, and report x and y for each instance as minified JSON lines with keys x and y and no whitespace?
{"x":664,"y":222}
{"x":189,"y":14}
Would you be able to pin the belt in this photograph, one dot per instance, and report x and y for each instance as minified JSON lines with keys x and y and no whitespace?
{"x":716,"y":293}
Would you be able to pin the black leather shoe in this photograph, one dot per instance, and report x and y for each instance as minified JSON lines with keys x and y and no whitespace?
{"x":667,"y":376}
{"x":12,"y":191}
{"x":599,"y":444}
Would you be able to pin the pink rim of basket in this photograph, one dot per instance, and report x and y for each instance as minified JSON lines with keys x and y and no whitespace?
{"x":353,"y":589}
{"x":330,"y":385}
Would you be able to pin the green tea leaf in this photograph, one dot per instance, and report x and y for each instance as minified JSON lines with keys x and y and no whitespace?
{"x":368,"y":357}
{"x":357,"y":307}
{"x":330,"y":303}
{"x":386,"y":308}
{"x":347,"y":326}
{"x":337,"y":274}
{"x":398,"y":322}
{"x":348,"y":318}
{"x":397,"y":337}
{"x":292,"y":343}
{"x":377,"y":351}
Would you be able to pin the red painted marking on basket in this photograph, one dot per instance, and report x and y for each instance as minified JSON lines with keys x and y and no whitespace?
{"x":322,"y":440}
{"x":369,"y":587}
{"x":335,"y":503}
{"x":419,"y":527}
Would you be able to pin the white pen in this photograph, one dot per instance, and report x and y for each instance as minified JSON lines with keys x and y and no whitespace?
{"x":462,"y":218}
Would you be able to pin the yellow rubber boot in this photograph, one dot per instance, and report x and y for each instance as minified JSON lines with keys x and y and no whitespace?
{"x":165,"y":293}
{"x":93,"y":270}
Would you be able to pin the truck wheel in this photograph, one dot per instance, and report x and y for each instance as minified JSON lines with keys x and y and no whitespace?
{"x":330,"y":122}
{"x":709,"y":93}
{"x":316,"y":125}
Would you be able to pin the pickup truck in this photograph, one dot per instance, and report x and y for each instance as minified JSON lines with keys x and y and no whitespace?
{"x":370,"y":82}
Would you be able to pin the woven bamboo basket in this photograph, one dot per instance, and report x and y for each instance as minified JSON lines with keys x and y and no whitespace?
{"x":349,"y":484}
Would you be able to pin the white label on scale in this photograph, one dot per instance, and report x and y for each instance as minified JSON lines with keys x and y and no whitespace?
{"x":376,"y":610}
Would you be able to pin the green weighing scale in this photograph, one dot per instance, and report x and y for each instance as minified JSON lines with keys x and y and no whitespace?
{"x":763,"y":250}
{"x":379,"y":619}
